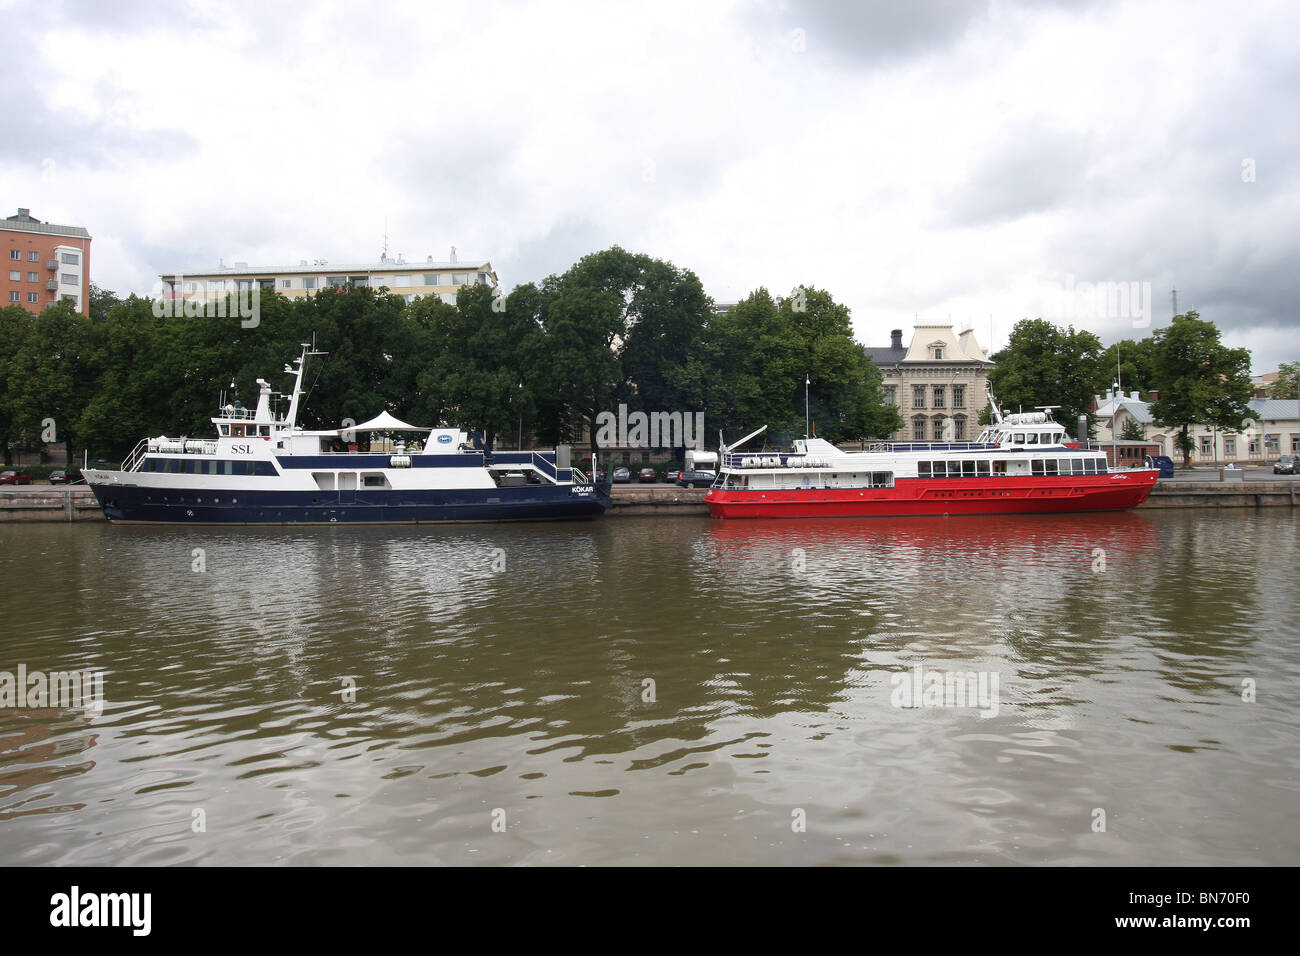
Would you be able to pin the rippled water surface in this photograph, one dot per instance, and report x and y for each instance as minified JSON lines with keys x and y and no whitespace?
{"x":668,"y":691}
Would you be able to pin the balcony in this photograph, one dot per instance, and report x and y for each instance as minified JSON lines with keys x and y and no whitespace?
{"x":52,"y":264}
{"x":52,"y":285}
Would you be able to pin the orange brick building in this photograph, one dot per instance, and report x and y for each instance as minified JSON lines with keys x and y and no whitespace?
{"x":41,"y":263}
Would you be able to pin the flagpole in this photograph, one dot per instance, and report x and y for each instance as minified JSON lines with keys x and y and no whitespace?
{"x":807,"y":428}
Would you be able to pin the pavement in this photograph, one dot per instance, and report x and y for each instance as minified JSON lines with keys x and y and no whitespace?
{"x":1260,"y":473}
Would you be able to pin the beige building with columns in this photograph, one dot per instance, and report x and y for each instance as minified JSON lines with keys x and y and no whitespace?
{"x":939,"y":382}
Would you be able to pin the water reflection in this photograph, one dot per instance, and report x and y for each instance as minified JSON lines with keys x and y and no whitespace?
{"x":345,"y":694}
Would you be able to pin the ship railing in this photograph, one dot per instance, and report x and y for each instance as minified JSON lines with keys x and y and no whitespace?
{"x":136,"y":458}
{"x":579,"y":476}
{"x":542,"y":464}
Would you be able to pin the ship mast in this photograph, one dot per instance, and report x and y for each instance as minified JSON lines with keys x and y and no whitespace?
{"x":291,"y":417}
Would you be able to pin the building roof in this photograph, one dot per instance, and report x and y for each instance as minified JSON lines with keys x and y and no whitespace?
{"x":23,"y":222}
{"x":886,"y":356}
{"x":960,"y":348}
{"x":333,"y":269}
{"x":1275,"y":409}
{"x":1261,"y":409}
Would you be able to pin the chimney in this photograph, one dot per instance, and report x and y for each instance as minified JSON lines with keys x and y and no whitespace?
{"x":1153,"y":395}
{"x":896,"y":339}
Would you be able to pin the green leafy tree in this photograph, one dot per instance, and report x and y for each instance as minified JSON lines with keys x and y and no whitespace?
{"x":1131,"y":431}
{"x":1200,"y":380}
{"x":1288,"y":381}
{"x":1136,"y":364}
{"x":1045,"y":365}
{"x":15,"y":327}
{"x":52,"y":376}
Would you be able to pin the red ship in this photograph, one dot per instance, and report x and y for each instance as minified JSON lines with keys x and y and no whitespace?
{"x":1019,"y":464}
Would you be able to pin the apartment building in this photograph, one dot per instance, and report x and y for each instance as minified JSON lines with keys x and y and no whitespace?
{"x":408,"y":279}
{"x":939,"y":382}
{"x":43,"y":263}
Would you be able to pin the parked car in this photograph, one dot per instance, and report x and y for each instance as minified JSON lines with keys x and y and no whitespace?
{"x":647,"y":475}
{"x":622,"y":476}
{"x":1287,"y":465}
{"x":672,"y":476}
{"x":59,"y":477}
{"x":695,"y":479}
{"x":14,"y":478}
{"x":1163,"y":462}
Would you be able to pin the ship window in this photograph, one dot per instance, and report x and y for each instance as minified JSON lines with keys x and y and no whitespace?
{"x":882,"y":479}
{"x":1038,"y":467}
{"x":954,"y":469}
{"x":1019,"y":439}
{"x":241,"y":467}
{"x":224,"y":429}
{"x":1078,"y":466}
{"x":374,"y":481}
{"x":968,"y":469}
{"x":212,"y":467}
{"x":174,"y":466}
{"x":227,"y":465}
{"x":324,"y":480}
{"x":347,"y":481}
{"x":982,"y":467}
{"x":923,"y":469}
{"x":1045,"y":438}
{"x":1051,"y":466}
{"x":1031,"y":438}
{"x":237,"y":431}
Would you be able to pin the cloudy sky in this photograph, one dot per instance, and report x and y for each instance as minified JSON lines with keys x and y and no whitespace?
{"x":977,"y":162}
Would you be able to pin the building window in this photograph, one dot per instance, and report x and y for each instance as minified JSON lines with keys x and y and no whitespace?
{"x":191,"y":287}
{"x":918,"y":396}
{"x":460,"y":278}
{"x":959,"y":396}
{"x":15,"y":275}
{"x":1272,"y":444}
{"x":1295,"y":443}
{"x":891,"y":395}
{"x":401,"y":282}
{"x":918,"y":428}
{"x":71,"y":259}
{"x":1253,"y":446}
{"x":1205,"y":446}
{"x":33,"y":277}
{"x":959,"y":428}
{"x":33,"y":256}
{"x":1229,"y":447}
{"x":14,"y":297}
{"x":286,"y":283}
{"x":938,"y":353}
{"x":482,"y":278}
{"x":433,"y":279}
{"x":217,"y":285}
{"x":309,"y":282}
{"x":33,"y":297}
{"x":15,"y":254}
{"x":70,"y":279}
{"x":939,"y":396}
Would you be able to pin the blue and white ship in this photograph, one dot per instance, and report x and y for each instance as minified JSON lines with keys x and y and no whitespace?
{"x":264,"y":469}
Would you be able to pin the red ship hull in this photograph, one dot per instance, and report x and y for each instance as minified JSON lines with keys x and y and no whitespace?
{"x":928,"y":496}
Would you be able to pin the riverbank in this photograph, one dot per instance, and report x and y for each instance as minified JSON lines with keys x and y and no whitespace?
{"x":77,"y":503}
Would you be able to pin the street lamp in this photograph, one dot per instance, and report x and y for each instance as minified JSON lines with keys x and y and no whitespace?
{"x":520,"y":443}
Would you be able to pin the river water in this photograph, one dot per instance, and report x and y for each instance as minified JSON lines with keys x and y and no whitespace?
{"x":659,"y":691}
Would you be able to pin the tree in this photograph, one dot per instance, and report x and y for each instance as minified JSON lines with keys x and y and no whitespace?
{"x":1131,"y":431}
{"x":1200,"y":380}
{"x":1136,"y":364}
{"x":1044,"y":365}
{"x":1288,"y":381}
{"x":53,"y":376}
{"x":15,"y":327}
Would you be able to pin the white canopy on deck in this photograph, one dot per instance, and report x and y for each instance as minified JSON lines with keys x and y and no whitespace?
{"x":384,"y":422}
